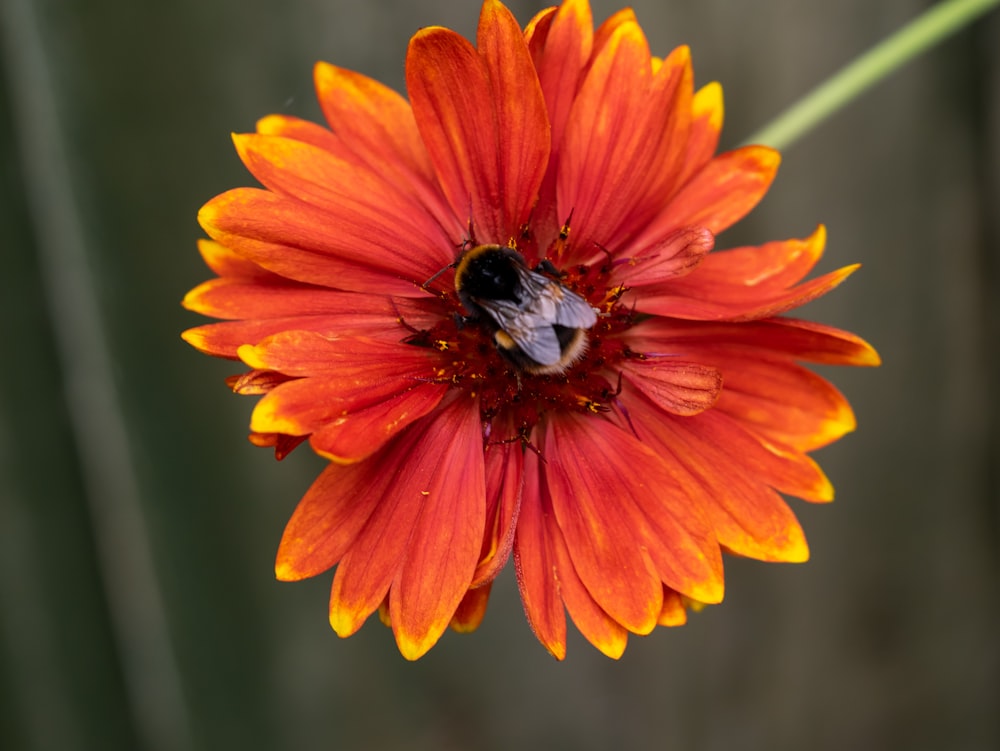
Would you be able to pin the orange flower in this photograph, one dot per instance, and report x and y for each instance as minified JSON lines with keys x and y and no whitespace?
{"x":599,"y":393}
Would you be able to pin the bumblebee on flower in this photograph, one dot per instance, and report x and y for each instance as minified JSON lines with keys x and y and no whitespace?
{"x":608,"y":399}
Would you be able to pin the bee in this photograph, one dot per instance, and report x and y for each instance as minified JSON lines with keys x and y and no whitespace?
{"x":538,"y":325}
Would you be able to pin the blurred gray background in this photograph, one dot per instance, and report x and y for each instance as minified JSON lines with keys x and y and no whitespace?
{"x":138,"y":607}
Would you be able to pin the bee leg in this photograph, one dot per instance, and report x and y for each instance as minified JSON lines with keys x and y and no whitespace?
{"x":417,"y":337}
{"x":546,"y":266}
{"x":461,"y":321}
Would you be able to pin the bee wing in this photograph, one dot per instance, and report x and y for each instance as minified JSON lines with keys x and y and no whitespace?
{"x":550,"y":301}
{"x":532,"y":334}
{"x":545,"y":303}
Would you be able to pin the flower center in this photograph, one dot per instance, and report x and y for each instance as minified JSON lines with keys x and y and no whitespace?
{"x":486,"y":353}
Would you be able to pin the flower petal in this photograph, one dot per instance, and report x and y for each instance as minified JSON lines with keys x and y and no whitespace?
{"x":504,"y":481}
{"x":235,"y":297}
{"x":290,"y":238}
{"x":447,"y":475}
{"x":524,"y":135}
{"x":374,"y":121}
{"x":471,"y":610}
{"x":535,"y":562}
{"x":795,"y":339}
{"x":381,"y":400}
{"x":611,"y":496}
{"x":225,"y":262}
{"x":766,"y":392}
{"x":787,"y":403}
{"x":774,"y":266}
{"x":353,"y":192}
{"x":361,"y":429}
{"x":350,"y":358}
{"x":748,"y":517}
{"x":367,"y":316}
{"x":298,"y":129}
{"x":560,"y":42}
{"x":368,"y":568}
{"x":483,"y":120}
{"x":597,"y":626}
{"x":378,"y":126}
{"x":783,"y":468}
{"x":711,"y":303}
{"x":706,"y":125}
{"x":673,"y":613}
{"x":328,"y":519}
{"x":613,"y":176}
{"x":721,"y":193}
{"x":675,"y":386}
{"x":428,"y":476}
{"x":744,"y":284}
{"x":560,"y":57}
{"x":662,"y":260}
{"x":238,"y":297}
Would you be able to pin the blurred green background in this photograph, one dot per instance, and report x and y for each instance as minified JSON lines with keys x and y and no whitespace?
{"x":138,"y":527}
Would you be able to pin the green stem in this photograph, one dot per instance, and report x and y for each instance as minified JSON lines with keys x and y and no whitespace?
{"x":935,"y":25}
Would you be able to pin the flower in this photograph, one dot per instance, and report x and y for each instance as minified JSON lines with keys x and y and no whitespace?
{"x":616,"y":473}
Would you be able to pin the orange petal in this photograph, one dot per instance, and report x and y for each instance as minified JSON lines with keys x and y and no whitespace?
{"x":226,"y":262}
{"x":568,"y":39}
{"x":358,"y":360}
{"x":534,"y":564}
{"x":448,"y":479}
{"x":367,"y":253}
{"x":522,"y":120}
{"x":306,"y":405}
{"x":488,"y":158}
{"x":596,"y":625}
{"x":536,"y":31}
{"x":674,"y":89}
{"x":256,"y":382}
{"x":374,"y":122}
{"x":306,"y":131}
{"x":773,"y":266}
{"x":283,"y":445}
{"x":361,"y":430}
{"x":328,"y":519}
{"x":717,"y":303}
{"x":605,"y":160}
{"x":352,"y":191}
{"x":364,"y":315}
{"x":610,"y":494}
{"x":795,"y":339}
{"x":503,"y":500}
{"x":748,"y":517}
{"x":745,"y":283}
{"x":471,"y":610}
{"x":675,"y":386}
{"x":560,"y":41}
{"x":674,"y":613}
{"x":662,"y":260}
{"x":378,"y":126}
{"x":449,"y":88}
{"x":423,"y":459}
{"x":706,"y":125}
{"x":722,"y":193}
{"x":783,"y":401}
{"x":781,"y":467}
{"x":606,"y":31}
{"x":368,"y":568}
{"x":234,"y":298}
{"x":764,"y":389}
